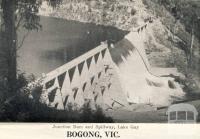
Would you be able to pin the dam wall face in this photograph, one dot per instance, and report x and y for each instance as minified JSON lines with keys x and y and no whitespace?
{"x":139,"y":83}
{"x":88,"y":78}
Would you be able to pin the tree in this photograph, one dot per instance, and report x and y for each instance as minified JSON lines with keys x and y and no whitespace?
{"x":16,"y":14}
{"x":195,"y":20}
{"x":187,"y":12}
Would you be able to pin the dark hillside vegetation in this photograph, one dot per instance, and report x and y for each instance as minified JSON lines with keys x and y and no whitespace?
{"x":188,"y":11}
{"x":182,"y":18}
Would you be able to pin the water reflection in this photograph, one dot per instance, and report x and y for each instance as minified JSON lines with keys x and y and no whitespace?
{"x":60,"y":41}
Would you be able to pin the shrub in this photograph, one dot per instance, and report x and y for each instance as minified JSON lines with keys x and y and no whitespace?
{"x":112,"y":8}
{"x":94,"y":116}
{"x":133,"y":11}
{"x":22,"y":108}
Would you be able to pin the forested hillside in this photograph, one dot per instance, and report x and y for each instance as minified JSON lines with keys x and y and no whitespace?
{"x":182,"y":17}
{"x":187,"y":11}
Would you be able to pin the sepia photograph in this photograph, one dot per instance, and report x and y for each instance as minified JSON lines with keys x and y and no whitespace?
{"x":100,"y":61}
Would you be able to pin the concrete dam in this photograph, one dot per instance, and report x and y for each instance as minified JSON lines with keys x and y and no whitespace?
{"x":110,"y":76}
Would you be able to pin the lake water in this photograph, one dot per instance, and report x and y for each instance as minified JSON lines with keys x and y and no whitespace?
{"x":60,"y":41}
